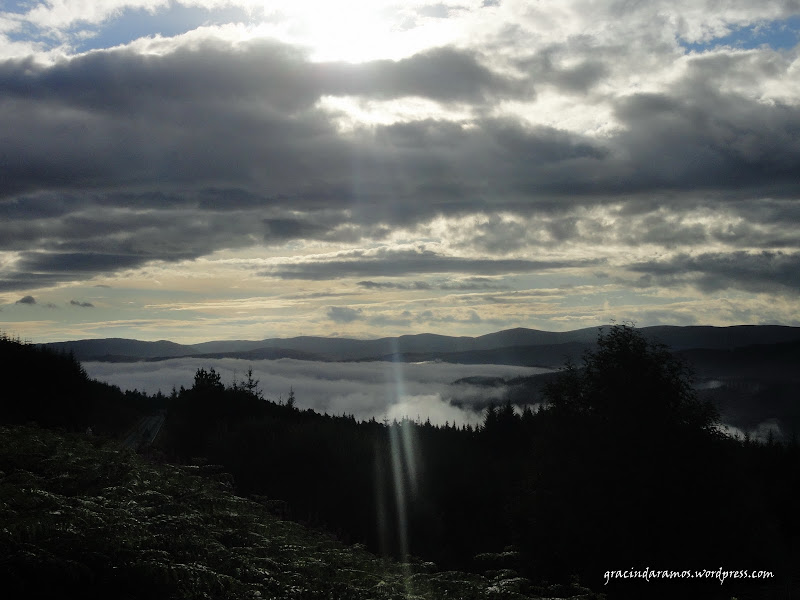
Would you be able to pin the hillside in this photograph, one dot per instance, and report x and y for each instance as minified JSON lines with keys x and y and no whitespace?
{"x":84,"y":519}
{"x":526,"y":498}
{"x":53,"y":390}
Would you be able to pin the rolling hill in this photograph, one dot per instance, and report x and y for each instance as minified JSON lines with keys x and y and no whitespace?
{"x":519,"y":346}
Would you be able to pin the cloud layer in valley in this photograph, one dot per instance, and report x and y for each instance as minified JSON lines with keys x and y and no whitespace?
{"x":364,"y":389}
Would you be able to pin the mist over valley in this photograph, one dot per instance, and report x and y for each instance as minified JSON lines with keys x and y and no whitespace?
{"x":437,"y":391}
{"x":748,"y":372}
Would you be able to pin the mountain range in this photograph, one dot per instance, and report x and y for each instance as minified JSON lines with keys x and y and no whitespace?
{"x":748,"y":371}
{"x":518,"y":346}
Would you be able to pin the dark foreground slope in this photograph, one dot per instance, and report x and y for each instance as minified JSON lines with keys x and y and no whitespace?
{"x":51,"y":389}
{"x":83,"y":519}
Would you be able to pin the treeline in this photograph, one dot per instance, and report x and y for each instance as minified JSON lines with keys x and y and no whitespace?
{"x":623,"y":468}
{"x":52,"y":390}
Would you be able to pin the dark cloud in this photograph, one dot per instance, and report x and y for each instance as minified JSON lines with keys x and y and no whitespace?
{"x":113,"y":159}
{"x":39,"y":269}
{"x":441,"y":74}
{"x":470,"y":283}
{"x":395,"y":263}
{"x":710,"y":272}
{"x":81,"y":304}
{"x":226,"y":123}
{"x":393,"y":285}
{"x":701,"y":139}
{"x":122,"y":81}
{"x":26,"y":300}
{"x":546,"y":68}
{"x":344,"y":314}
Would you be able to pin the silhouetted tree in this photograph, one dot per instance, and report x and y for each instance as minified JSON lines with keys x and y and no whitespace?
{"x":207,"y":380}
{"x":631,"y":383}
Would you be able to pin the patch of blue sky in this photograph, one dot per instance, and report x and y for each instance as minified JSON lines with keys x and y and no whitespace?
{"x":25,"y":32}
{"x":16,"y":6}
{"x":133,"y":24}
{"x":778,"y":35}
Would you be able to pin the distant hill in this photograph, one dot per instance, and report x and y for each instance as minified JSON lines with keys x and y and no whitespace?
{"x":101,"y":349}
{"x":519,"y":346}
{"x":545,"y":355}
{"x":776,"y":361}
{"x":264,"y":354}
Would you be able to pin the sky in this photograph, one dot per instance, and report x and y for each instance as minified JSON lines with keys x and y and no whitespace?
{"x":209,"y":169}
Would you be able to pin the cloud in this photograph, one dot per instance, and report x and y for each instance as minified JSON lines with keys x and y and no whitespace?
{"x":81,"y":304}
{"x":31,"y":301}
{"x":529,"y":149}
{"x":344,"y":314}
{"x":711,"y":272}
{"x":219,"y":139}
{"x":115,"y":159}
{"x":364,"y":389}
{"x":397,"y":262}
{"x":469,"y":283}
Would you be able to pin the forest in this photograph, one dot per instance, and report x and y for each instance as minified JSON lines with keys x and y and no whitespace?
{"x":621,"y":468}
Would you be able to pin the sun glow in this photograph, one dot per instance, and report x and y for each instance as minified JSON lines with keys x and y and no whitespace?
{"x":356,"y":31}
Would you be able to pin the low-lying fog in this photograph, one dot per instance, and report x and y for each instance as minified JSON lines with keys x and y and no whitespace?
{"x":363,"y":389}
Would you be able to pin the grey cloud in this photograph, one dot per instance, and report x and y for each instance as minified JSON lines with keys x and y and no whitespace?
{"x":386,"y":321}
{"x":666,"y":230}
{"x":473,"y":283}
{"x":396,"y":263}
{"x":702,"y":139}
{"x":235,"y":121}
{"x":443,"y":74}
{"x":96,"y":237}
{"x":36,"y":269}
{"x":470,"y":283}
{"x":437,"y":11}
{"x":754,"y":272}
{"x":81,"y":304}
{"x":27,"y":300}
{"x":285,"y":229}
{"x":392,"y":285}
{"x":122,"y":82}
{"x":344,"y":314}
{"x":762,"y":224}
{"x":113,"y":159}
{"x":544,"y":68}
{"x":77,"y":262}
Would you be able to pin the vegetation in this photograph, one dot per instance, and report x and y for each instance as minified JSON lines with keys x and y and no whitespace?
{"x":53,"y":390}
{"x":622,"y":467}
{"x":84,"y":519}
